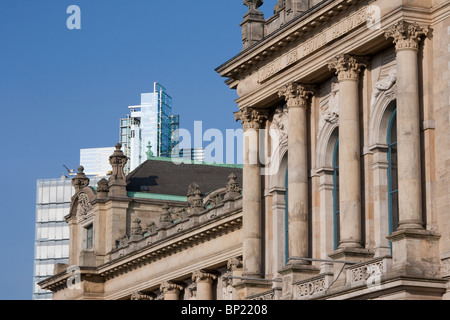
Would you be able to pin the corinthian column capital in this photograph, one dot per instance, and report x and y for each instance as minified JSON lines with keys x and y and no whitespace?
{"x":296,"y":95}
{"x":199,"y":276}
{"x":251,"y":118}
{"x":406,"y":35}
{"x":170,"y":287}
{"x":347,"y":67}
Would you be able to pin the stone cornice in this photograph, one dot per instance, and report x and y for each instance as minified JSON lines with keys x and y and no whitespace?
{"x":301,"y":26}
{"x":160,"y":250}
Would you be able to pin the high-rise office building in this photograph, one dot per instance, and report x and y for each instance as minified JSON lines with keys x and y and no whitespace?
{"x":150,"y":128}
{"x":53,"y":199}
{"x":96,"y":161}
{"x":195,"y":154}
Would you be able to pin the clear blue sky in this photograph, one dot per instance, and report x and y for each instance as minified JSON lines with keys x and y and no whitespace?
{"x":62,"y":90}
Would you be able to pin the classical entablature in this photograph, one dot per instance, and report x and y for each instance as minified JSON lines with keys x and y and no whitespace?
{"x":301,"y":49}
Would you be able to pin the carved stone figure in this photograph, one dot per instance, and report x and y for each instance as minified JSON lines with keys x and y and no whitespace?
{"x":384,"y":86}
{"x":84,"y":206}
{"x":280,"y":122}
{"x":165,"y":219}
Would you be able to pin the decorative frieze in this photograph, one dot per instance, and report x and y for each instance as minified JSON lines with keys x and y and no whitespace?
{"x":347,"y":67}
{"x":406,"y":35}
{"x":296,"y":95}
{"x":369,"y":272}
{"x":251,"y":118}
{"x":264,"y":296}
{"x":315,"y":43}
{"x":307,"y":289}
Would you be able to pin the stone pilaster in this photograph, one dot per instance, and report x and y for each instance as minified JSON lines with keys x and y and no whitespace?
{"x":252,"y":120}
{"x":297,"y":97}
{"x":348,"y":70}
{"x":204,"y":282}
{"x":171,"y":291}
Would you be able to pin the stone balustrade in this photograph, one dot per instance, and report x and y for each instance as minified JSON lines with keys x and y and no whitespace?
{"x":213,"y":213}
{"x":368,"y":272}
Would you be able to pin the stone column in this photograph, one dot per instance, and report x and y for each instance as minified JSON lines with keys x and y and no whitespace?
{"x":406,"y":38}
{"x":171,"y":291}
{"x":297,"y":97}
{"x":348,"y":69}
{"x":252,"y":120}
{"x":204,"y":283}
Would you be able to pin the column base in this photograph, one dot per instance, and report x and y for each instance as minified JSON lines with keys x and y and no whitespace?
{"x":295,"y":273}
{"x":415,"y":252}
{"x":247,"y":288}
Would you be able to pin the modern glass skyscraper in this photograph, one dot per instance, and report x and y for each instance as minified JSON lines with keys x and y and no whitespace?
{"x":149,"y":128}
{"x":53,"y":198}
{"x":96,"y":161}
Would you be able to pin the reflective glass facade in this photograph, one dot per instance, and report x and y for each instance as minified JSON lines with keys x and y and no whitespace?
{"x":150,"y":125}
{"x":53,"y":198}
{"x":96,"y":161}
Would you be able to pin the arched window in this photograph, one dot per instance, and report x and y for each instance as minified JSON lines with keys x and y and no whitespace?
{"x":336,"y":194}
{"x":392,"y":173}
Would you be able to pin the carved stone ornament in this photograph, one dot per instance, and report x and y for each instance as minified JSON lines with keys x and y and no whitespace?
{"x":329,"y":108}
{"x":385,"y":86}
{"x":280,"y":122}
{"x":232,"y":189}
{"x":347,"y":67}
{"x":102,"y":186}
{"x":151,"y":227}
{"x":253,"y":5}
{"x":84,"y":206}
{"x":197,"y":200}
{"x":140,"y":296}
{"x":117,"y":161}
{"x":191,"y":291}
{"x":251,"y":118}
{"x":166,"y":217}
{"x":234,"y":264}
{"x":296,"y":95}
{"x":406,"y":35}
{"x":136,"y":229}
{"x":200,"y":276}
{"x":80,"y":181}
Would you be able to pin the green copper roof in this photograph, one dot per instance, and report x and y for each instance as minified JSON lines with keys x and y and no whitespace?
{"x":142,"y":195}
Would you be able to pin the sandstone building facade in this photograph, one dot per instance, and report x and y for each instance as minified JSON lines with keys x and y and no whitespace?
{"x":348,"y":101}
